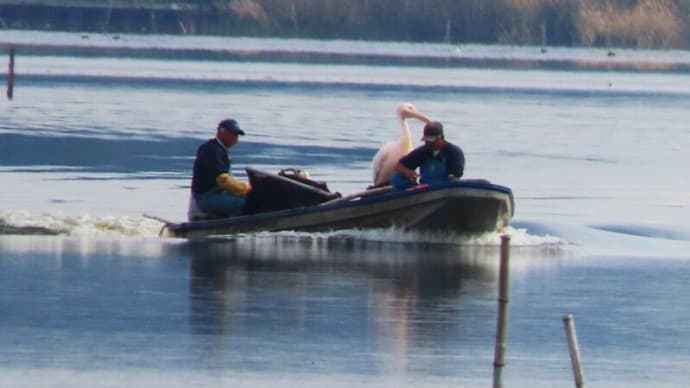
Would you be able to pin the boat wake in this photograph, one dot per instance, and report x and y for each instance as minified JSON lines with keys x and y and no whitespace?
{"x":616,"y":240}
{"x":26,"y":223}
{"x":518,"y":237}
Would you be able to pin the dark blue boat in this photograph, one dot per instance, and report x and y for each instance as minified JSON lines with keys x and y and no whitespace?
{"x":285,"y":203}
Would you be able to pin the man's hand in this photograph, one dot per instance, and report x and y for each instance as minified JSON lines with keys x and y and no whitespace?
{"x":412,"y":175}
{"x":408,"y":173}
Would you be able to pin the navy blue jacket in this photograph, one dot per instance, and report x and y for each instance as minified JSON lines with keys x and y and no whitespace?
{"x":450,"y":154}
{"x":211,"y":160}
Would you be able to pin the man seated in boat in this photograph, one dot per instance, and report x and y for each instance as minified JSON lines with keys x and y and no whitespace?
{"x":438,"y":161}
{"x":215,"y":192}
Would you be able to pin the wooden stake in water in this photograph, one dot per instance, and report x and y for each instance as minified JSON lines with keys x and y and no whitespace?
{"x":501,"y":321}
{"x":10,"y":75}
{"x":574,"y":350}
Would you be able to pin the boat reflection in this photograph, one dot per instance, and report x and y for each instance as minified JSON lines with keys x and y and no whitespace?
{"x":380,"y":297}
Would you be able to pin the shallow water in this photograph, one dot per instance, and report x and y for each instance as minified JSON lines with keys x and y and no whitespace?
{"x":595,"y":159}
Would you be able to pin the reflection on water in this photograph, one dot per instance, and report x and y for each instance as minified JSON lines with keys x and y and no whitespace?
{"x":375,"y":305}
{"x":261,"y":310}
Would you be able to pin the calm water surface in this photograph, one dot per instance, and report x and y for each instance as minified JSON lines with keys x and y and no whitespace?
{"x":596,"y":161}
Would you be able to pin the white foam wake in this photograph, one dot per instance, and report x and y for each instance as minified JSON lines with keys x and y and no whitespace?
{"x":24,"y":222}
{"x":518,"y":237}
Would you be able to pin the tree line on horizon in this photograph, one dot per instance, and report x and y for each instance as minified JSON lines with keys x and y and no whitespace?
{"x":661,"y":24}
{"x":599,"y":23}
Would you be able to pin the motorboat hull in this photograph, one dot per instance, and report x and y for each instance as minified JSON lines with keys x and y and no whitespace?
{"x":458,"y":207}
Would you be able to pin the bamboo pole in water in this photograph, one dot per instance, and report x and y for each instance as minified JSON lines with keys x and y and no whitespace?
{"x":574,"y":350}
{"x":10,"y":75}
{"x":501,"y":321}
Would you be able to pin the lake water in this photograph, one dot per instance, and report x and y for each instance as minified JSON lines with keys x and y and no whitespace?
{"x":91,"y":296}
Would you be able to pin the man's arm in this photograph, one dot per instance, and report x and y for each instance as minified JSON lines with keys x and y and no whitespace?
{"x":409,"y":163}
{"x":455,"y":164}
{"x":408,"y":172}
{"x":232,"y":185}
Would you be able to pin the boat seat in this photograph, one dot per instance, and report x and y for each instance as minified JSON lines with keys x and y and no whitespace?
{"x":272,"y":192}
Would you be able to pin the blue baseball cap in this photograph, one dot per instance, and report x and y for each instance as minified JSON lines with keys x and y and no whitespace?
{"x":230,"y":125}
{"x":432,"y":131}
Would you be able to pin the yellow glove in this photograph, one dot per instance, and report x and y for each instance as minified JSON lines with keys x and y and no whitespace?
{"x":230,"y":184}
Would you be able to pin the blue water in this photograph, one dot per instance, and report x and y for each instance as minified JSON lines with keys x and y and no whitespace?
{"x":92,"y":297}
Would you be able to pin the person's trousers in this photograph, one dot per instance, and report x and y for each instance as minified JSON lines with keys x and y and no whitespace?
{"x":219,"y":202}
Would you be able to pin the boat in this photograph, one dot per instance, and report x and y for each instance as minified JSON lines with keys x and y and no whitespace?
{"x":281,"y":202}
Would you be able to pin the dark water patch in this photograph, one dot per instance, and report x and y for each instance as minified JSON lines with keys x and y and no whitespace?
{"x":164,"y":154}
{"x":8,"y":229}
{"x":149,"y":176}
{"x":520,"y":155}
{"x":565,"y":197}
{"x":645,"y":231}
{"x":63,"y":201}
{"x":93,"y":154}
{"x":276,"y":85}
{"x":452,"y":60}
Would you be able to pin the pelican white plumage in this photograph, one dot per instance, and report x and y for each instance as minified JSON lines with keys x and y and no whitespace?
{"x":390,"y":153}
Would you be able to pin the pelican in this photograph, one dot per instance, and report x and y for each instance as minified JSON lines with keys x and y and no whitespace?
{"x":390,"y":153}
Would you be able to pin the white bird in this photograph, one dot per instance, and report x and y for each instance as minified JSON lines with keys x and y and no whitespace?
{"x":390,"y":153}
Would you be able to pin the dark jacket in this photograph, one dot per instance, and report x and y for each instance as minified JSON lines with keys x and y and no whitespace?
{"x":211,"y":160}
{"x":450,"y":154}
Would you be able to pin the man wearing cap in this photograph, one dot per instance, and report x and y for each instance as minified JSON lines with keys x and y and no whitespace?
{"x":214,"y":190}
{"x":438,"y":161}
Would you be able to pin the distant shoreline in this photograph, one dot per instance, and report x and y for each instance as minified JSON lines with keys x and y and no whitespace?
{"x":649,"y":24}
{"x":336,"y":58}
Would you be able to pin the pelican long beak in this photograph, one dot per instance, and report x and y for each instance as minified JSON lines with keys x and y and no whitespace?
{"x":421,"y":116}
